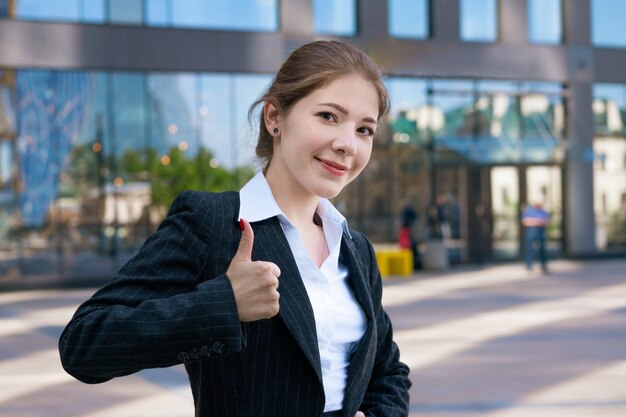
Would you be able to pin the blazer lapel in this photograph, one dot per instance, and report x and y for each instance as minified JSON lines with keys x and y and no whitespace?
{"x":270,"y":244}
{"x":348,"y":256}
{"x":362,"y":361}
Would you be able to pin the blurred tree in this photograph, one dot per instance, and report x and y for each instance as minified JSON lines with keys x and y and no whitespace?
{"x":174,"y":173}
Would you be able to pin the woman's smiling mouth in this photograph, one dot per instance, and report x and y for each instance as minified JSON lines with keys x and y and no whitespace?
{"x":333,"y":167}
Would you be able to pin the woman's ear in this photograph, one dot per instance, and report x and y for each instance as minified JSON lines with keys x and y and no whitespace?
{"x":271,"y":117}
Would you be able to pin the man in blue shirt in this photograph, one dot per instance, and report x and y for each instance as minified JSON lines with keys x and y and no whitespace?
{"x":534,"y":220}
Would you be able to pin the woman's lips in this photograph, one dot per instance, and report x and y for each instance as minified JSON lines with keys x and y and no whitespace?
{"x":333,"y":167}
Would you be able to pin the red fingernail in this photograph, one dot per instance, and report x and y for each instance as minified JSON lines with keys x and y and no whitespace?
{"x":242,"y":225}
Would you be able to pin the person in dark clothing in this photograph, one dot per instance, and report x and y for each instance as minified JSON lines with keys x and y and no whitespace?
{"x":268,"y":298}
{"x":535,"y":220}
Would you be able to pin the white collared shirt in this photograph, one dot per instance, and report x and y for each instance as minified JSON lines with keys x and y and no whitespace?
{"x":339,"y":319}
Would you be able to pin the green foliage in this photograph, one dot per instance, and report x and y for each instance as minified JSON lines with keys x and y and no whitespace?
{"x":87,"y":170}
{"x":184,"y":173}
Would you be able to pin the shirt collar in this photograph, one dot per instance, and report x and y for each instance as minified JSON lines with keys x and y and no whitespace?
{"x":257,"y":203}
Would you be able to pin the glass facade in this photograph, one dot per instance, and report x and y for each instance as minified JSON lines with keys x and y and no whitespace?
{"x":91,"y":159}
{"x":545,"y":21}
{"x":100,"y":156}
{"x":334,"y":17}
{"x":487,"y":122}
{"x":609,"y":109}
{"x":244,"y":15}
{"x":479,"y":20}
{"x":454,"y":149}
{"x":86,"y":11}
{"x":409,"y":18}
{"x":607,"y":18}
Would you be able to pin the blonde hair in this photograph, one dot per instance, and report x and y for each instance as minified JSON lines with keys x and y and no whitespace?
{"x":313,"y":66}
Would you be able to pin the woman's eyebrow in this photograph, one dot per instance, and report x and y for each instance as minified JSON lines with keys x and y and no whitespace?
{"x":345,"y":111}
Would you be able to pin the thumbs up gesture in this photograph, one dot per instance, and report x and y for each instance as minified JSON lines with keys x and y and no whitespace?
{"x":254,"y":283}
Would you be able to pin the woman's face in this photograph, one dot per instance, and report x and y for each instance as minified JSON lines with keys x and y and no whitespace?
{"x":325,"y":140}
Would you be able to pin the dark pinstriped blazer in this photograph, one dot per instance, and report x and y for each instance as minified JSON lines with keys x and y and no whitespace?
{"x":172,"y":303}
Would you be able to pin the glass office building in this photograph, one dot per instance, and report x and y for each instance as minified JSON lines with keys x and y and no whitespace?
{"x":108,"y":108}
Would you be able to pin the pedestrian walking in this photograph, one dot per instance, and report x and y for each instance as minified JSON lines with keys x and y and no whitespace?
{"x":535,"y":220}
{"x":265,"y":295}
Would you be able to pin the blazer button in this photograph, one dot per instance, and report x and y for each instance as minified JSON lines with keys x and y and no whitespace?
{"x":205,"y":351}
{"x":218,"y":347}
{"x":194,"y":353}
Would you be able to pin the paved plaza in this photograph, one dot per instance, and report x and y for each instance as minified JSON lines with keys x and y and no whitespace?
{"x":495,"y":341}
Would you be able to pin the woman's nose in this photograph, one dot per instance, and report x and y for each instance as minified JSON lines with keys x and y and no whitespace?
{"x":345,"y":142}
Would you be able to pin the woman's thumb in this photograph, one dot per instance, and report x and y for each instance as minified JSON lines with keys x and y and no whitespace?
{"x":244,"y":252}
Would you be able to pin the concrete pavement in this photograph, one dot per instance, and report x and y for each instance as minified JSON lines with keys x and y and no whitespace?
{"x":494,"y":341}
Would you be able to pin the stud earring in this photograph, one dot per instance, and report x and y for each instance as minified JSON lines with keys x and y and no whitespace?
{"x":275,"y":130}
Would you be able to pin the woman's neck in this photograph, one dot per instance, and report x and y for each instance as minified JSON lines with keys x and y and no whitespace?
{"x":298,"y":207}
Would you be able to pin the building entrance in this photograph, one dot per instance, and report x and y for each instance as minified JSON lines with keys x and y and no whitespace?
{"x":512,"y":188}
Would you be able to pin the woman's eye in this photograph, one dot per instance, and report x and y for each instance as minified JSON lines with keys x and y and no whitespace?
{"x":366,"y":131}
{"x":327,"y":116}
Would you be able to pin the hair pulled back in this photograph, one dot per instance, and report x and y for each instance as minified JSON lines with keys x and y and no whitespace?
{"x":313,"y":66}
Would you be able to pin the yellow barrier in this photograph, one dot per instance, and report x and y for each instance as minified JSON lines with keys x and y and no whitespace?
{"x":394,"y":261}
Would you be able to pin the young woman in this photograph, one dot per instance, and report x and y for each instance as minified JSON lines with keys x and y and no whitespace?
{"x":269,"y":299}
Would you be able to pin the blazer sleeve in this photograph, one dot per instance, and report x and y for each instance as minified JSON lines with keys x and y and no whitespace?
{"x":387,"y":393}
{"x":161,"y":308}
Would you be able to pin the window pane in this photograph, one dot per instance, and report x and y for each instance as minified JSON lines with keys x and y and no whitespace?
{"x":157,"y":12}
{"x":4,"y":8}
{"x":247,"y":88}
{"x":607,"y":19}
{"x":409,"y":18}
{"x":410,"y":116}
{"x":126,"y":11}
{"x":214,"y":109}
{"x":90,"y":11}
{"x":253,"y":15}
{"x":609,"y":189}
{"x":65,"y":10}
{"x":544,"y":21}
{"x":609,"y":109}
{"x":337,"y":17}
{"x":479,"y":20}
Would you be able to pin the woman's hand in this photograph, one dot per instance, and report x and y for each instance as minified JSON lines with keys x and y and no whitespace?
{"x":359,"y":414}
{"x":255,"y":283}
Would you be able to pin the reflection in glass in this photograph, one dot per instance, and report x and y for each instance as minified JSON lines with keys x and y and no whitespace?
{"x":336,"y":17}
{"x":479,"y":20}
{"x":545,"y":21}
{"x":213,"y":109}
{"x":409,"y":18}
{"x":609,"y":182}
{"x":505,"y":209}
{"x":51,"y":107}
{"x":453,"y":100}
{"x":609,"y":109}
{"x":246,"y":89}
{"x":101,"y":156}
{"x":609,"y":176}
{"x":410,"y":115}
{"x":607,"y":18}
